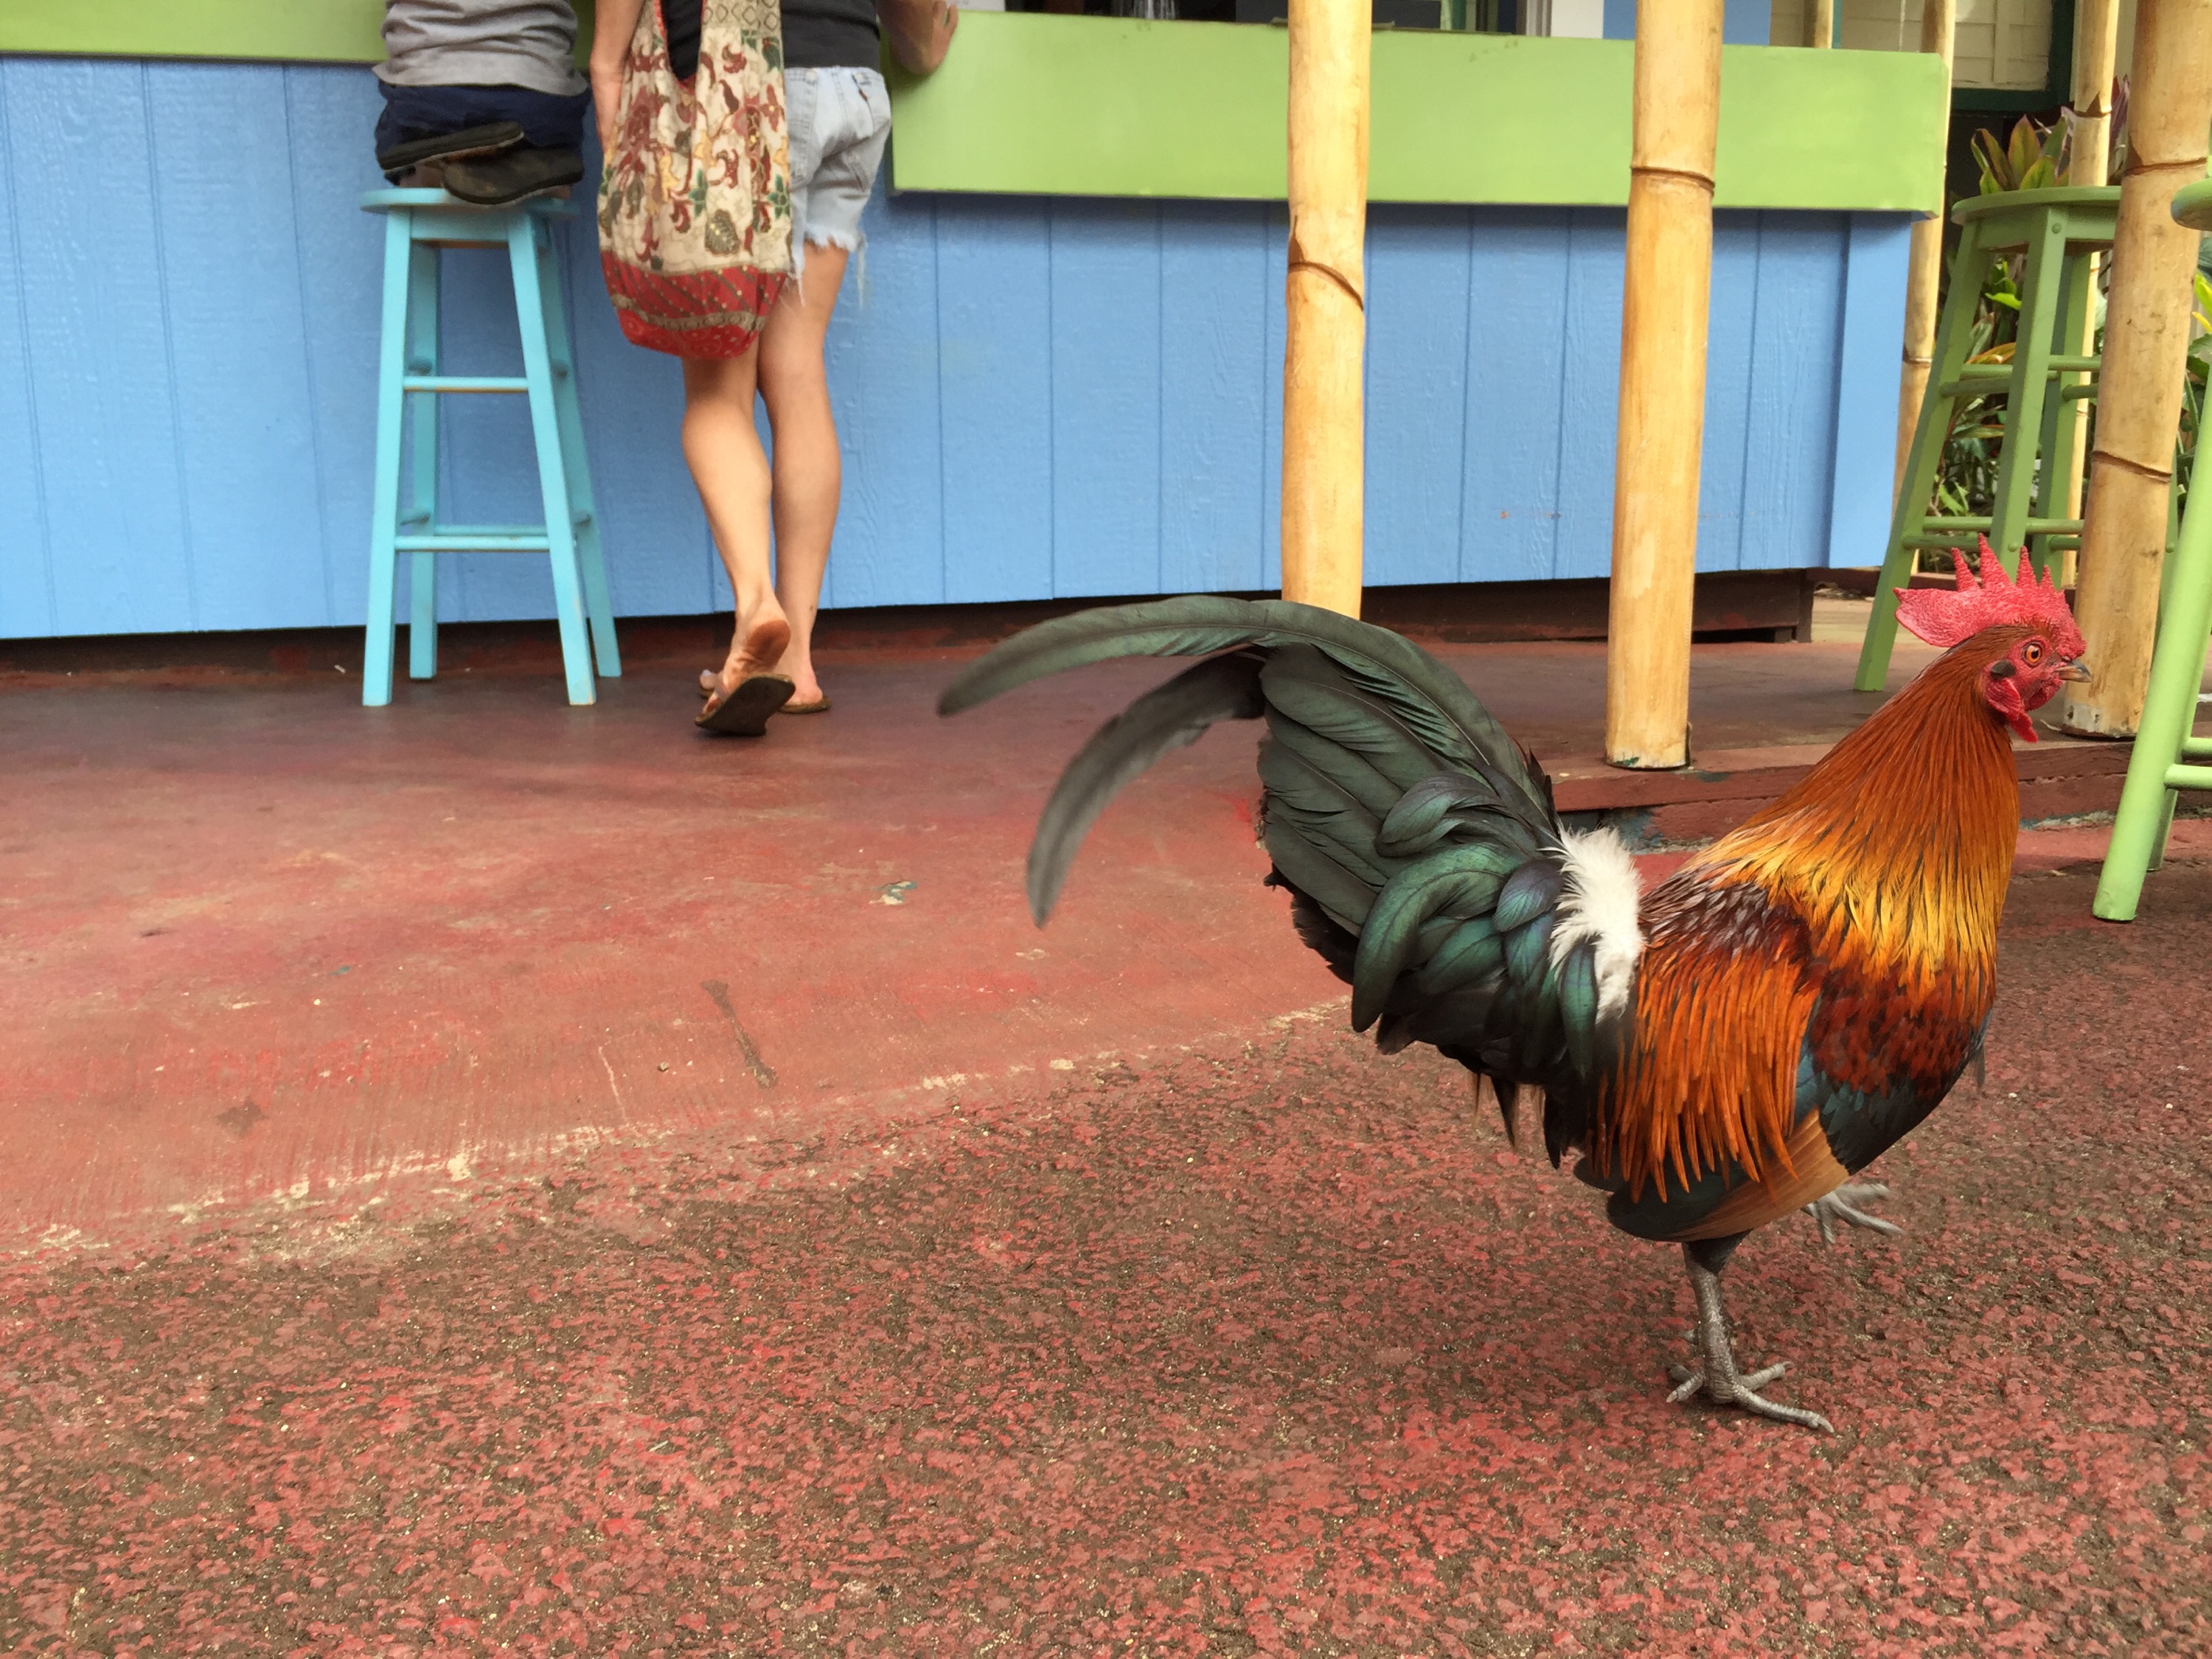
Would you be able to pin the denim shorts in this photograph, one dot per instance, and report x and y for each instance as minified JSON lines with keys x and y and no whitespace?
{"x":839,"y":121}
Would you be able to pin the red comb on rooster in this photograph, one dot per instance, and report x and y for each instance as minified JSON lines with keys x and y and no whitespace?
{"x":1944,"y":619}
{"x":2023,"y":679}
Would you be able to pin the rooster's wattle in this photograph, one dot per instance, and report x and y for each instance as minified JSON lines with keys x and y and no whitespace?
{"x":1722,"y":1051}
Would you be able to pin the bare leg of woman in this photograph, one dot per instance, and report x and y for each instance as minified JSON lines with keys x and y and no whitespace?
{"x":723,"y":451}
{"x":808,"y":471}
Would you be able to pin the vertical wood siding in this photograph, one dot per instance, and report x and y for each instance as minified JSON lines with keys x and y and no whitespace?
{"x":1038,"y":398}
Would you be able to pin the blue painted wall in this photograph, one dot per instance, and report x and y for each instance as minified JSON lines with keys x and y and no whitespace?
{"x":1743,"y":23}
{"x":1038,"y":398}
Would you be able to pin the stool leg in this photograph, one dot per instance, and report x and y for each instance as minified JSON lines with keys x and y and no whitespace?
{"x":524,"y":232}
{"x":2165,"y":830}
{"x":2031,"y":383}
{"x":423,"y":358}
{"x":384,"y":493}
{"x":2177,"y":670}
{"x":1952,"y":335}
{"x":583,"y":511}
{"x":2060,"y":431}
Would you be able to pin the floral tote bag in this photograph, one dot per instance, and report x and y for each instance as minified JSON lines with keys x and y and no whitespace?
{"x":694,"y":200}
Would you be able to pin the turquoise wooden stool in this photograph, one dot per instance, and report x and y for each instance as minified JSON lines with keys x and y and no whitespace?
{"x":2164,"y":750}
{"x":2056,"y":230}
{"x":418,"y":224}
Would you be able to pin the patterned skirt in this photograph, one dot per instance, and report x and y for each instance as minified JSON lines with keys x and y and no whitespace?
{"x":701,"y":314}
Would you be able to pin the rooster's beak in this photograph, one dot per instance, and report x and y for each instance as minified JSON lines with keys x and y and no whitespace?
{"x":2076,"y":670}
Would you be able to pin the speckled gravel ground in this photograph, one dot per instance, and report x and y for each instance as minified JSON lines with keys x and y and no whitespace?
{"x":1271,"y":1350}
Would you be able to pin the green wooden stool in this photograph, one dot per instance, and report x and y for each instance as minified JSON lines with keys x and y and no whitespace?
{"x":2164,"y":750}
{"x":2058,"y":230}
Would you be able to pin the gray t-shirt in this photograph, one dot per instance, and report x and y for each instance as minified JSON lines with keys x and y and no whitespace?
{"x":481,"y":43}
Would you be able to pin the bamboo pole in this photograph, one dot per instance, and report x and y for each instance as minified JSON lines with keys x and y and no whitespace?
{"x":1324,"y":446}
{"x":1676,"y":124}
{"x":2146,"y":345}
{"x":1924,"y":266}
{"x":2096,"y":38}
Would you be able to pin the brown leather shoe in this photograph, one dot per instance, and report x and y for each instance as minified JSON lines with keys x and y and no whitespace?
{"x":513,"y":174}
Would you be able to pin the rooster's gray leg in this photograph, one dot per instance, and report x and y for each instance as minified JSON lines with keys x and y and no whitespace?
{"x":1842,"y":1204}
{"x":1717,"y":1378}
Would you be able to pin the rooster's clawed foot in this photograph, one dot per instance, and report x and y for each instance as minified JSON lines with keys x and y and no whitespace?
{"x":1716,"y":1377}
{"x":1842,"y":1204}
{"x":1743,"y":1392}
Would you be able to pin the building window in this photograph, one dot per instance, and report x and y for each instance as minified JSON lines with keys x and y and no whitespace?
{"x":2003,"y":45}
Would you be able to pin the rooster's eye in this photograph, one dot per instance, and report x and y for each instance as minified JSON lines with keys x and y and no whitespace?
{"x":2032,"y":653}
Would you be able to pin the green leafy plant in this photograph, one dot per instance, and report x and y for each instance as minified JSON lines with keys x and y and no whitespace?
{"x":1966,"y":479}
{"x":2030,"y":160}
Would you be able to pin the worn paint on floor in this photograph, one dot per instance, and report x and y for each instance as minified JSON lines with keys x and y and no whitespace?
{"x":1271,"y":1347}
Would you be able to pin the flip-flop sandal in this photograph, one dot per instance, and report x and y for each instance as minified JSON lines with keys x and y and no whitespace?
{"x":819,"y":706}
{"x":745,"y":712}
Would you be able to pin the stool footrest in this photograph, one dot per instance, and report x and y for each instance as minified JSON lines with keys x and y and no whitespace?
{"x":1936,"y":532}
{"x":1982,"y":379}
{"x":476,"y":538}
{"x":464,"y":383}
{"x":2189,"y":777}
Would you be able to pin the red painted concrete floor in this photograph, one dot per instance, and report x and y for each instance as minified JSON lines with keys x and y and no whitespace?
{"x":261,"y":942}
{"x":957,"y":1287}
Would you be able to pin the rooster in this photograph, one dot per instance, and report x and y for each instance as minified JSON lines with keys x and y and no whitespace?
{"x":1719,"y":1053}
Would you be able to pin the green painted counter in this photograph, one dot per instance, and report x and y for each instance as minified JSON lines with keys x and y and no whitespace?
{"x":1033,"y":104}
{"x":1029,"y":103}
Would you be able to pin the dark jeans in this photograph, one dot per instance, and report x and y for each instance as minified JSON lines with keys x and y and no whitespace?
{"x":549,"y":121}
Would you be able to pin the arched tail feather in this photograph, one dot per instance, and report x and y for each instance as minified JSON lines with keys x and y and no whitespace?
{"x":1422,"y":692}
{"x":1170,"y":716}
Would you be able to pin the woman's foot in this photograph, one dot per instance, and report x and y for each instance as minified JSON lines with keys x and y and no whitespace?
{"x":807,"y":696}
{"x":754,"y":649}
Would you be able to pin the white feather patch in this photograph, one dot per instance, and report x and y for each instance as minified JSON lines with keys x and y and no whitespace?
{"x":1598,"y":903}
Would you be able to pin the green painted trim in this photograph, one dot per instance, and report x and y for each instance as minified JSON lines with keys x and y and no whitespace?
{"x":290,"y":30}
{"x":1033,"y":103}
{"x":1037,"y":104}
{"x":308,"y":31}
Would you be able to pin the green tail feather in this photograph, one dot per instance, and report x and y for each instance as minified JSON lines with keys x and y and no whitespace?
{"x":1474,"y":950}
{"x":1351,"y":773}
{"x":1443,"y":807}
{"x":1527,"y":953}
{"x":1461,"y":880}
{"x":1167,"y":717}
{"x":1534,"y":889}
{"x":1426,"y":695}
{"x":1359,"y":725}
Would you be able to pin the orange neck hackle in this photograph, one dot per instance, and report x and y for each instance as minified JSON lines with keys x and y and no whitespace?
{"x":1901,"y":840}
